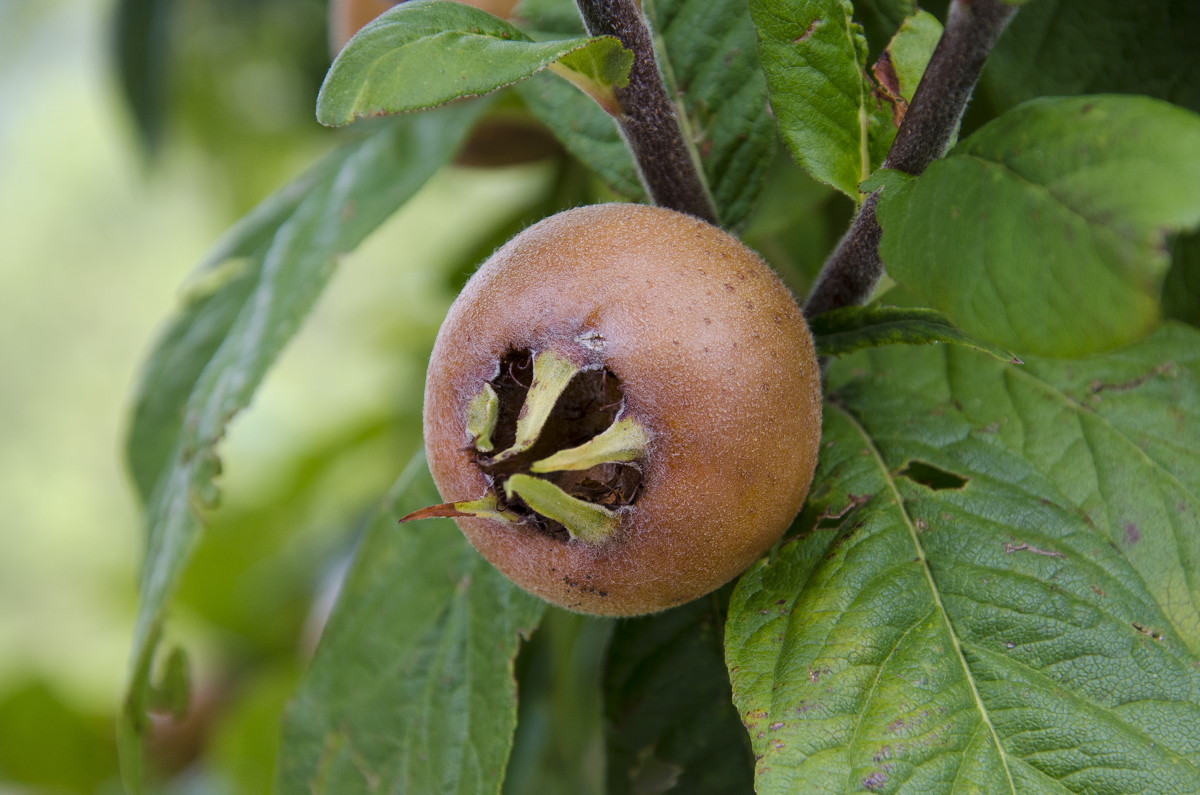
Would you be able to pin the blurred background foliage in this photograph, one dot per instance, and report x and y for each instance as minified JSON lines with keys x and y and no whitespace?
{"x":103,"y":213}
{"x":132,"y":133}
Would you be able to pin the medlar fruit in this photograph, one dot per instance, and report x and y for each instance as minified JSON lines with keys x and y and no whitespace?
{"x":623,"y":409}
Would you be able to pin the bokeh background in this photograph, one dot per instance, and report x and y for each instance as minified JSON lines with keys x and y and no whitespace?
{"x":116,"y":175}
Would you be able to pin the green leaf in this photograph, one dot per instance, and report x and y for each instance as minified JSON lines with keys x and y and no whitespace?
{"x":709,"y":54}
{"x":671,"y":725}
{"x":411,"y":688}
{"x":585,"y":130}
{"x":245,"y":304}
{"x":1045,"y":230}
{"x":853,"y":328}
{"x":996,"y":582}
{"x":910,"y":49}
{"x":1181,"y":288}
{"x":559,"y":742}
{"x":885,"y":178}
{"x":425,"y":53}
{"x":881,"y":18}
{"x":1056,"y":47}
{"x":815,"y":59}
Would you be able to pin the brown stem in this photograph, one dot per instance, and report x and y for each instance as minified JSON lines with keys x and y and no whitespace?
{"x":972,"y":28}
{"x":649,"y":123}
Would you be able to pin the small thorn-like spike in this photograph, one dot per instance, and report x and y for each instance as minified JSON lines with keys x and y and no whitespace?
{"x":482,"y":414}
{"x":484,"y":508}
{"x":622,"y":442}
{"x":551,"y":374}
{"x":584,"y":520}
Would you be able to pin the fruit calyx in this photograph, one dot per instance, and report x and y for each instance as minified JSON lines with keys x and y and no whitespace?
{"x":568,"y":460}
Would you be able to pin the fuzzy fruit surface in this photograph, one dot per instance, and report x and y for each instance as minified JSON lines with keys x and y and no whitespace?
{"x":714,"y":361}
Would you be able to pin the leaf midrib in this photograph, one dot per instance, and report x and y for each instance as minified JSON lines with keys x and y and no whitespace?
{"x":933,"y":589}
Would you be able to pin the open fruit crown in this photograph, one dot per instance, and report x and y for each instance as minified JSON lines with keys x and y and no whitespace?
{"x":549,"y":434}
{"x":622,"y":409}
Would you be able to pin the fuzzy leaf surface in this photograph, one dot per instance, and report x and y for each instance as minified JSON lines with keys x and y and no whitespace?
{"x":854,"y":328}
{"x":411,"y":688}
{"x":425,"y":53}
{"x":815,"y":58}
{"x":246,"y":303}
{"x":1045,"y":231}
{"x":996,"y":582}
{"x":711,"y":57}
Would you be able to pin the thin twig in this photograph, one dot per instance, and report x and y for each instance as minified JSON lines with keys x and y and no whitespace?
{"x":649,"y":123}
{"x":972,"y":28}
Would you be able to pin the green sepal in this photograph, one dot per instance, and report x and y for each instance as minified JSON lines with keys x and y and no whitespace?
{"x":486,"y":507}
{"x":621,"y":442}
{"x":583,"y":520}
{"x":551,"y":374}
{"x":482,"y":414}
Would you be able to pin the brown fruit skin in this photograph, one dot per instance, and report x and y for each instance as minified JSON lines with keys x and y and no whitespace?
{"x":715,"y":360}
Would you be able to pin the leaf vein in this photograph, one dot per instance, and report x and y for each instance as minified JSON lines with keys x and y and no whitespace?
{"x":935,"y":593}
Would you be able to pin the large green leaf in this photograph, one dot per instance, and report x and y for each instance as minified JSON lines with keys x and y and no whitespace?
{"x":996,"y":585}
{"x":425,"y":53}
{"x":247,"y":301}
{"x":710,"y":53}
{"x":411,"y":688}
{"x":815,"y":59}
{"x":1045,"y":231}
{"x":672,"y":727}
{"x":1097,"y":46}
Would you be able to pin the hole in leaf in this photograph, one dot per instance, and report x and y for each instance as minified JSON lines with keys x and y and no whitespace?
{"x":932,"y":477}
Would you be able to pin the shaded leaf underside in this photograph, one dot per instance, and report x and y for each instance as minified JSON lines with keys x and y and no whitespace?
{"x":996,"y":589}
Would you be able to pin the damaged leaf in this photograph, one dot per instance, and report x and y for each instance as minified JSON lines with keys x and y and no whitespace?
{"x":995,"y":586}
